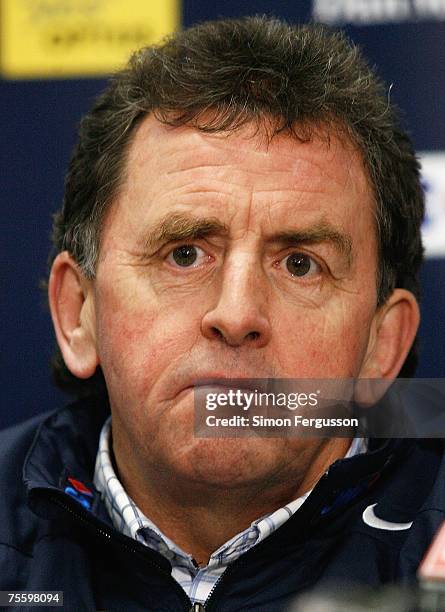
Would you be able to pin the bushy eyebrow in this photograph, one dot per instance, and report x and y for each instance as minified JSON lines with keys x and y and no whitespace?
{"x":322,"y":232}
{"x":177,"y":227}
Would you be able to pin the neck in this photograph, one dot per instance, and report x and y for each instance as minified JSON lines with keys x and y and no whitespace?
{"x":200,"y":517}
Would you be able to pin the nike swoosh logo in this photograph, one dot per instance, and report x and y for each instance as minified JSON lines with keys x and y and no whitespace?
{"x":370,"y":519}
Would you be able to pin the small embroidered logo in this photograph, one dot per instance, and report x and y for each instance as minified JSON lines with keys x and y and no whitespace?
{"x":80,"y":487}
{"x":78,"y":491}
{"x":369,"y":518}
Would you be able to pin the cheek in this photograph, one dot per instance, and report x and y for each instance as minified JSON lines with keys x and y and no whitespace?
{"x":324,"y":343}
{"x":138,"y":337}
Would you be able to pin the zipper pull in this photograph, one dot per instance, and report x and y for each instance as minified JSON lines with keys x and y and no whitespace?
{"x":197,"y":607}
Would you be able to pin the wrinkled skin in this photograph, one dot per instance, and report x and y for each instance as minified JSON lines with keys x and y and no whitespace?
{"x":227,"y":256}
{"x":160,"y":325}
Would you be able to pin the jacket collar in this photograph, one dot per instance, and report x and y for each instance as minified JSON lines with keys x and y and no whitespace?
{"x":63,"y":454}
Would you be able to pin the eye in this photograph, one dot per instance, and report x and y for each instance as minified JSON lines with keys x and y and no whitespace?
{"x":186,"y":256}
{"x":300,"y":264}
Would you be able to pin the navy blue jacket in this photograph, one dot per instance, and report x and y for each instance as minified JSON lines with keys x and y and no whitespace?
{"x":55,"y":533}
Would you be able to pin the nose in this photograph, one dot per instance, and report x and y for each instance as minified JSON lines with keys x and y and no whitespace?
{"x":239,"y":316}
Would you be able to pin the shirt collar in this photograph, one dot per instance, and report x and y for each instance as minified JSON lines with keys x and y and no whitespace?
{"x":131,"y":521}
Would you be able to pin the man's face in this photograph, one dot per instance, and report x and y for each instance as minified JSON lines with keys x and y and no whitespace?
{"x":226,"y":256}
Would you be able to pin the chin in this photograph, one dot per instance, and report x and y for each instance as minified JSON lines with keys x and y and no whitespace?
{"x":228,"y":462}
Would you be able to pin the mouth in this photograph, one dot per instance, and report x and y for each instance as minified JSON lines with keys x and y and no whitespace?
{"x":223,"y":384}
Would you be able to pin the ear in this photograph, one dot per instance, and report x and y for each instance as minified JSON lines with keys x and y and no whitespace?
{"x":71,"y":300}
{"x":392,"y":334}
{"x":393,"y":331}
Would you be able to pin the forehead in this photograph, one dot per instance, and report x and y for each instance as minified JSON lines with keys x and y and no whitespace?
{"x":182,"y":169}
{"x":249,"y":148}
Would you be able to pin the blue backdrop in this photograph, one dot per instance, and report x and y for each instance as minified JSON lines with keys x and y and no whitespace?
{"x":38,"y":126}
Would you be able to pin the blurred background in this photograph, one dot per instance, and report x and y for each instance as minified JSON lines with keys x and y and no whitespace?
{"x":55,"y":56}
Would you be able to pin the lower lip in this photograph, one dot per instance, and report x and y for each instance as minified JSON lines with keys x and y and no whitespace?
{"x":184,"y":391}
{"x":215,"y":388}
